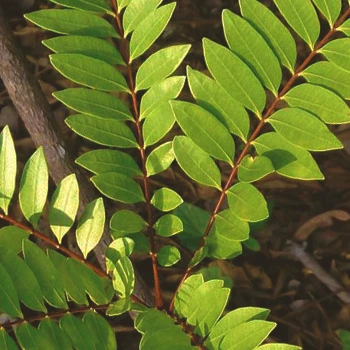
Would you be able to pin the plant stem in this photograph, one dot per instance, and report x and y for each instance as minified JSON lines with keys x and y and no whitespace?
{"x":146,"y":183}
{"x":254,"y":135}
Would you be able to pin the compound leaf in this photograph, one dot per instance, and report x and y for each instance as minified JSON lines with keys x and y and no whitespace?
{"x":168,"y":225}
{"x":98,"y":6}
{"x":166,"y":199}
{"x":11,"y":238}
{"x":123,"y":277}
{"x":168,"y":256}
{"x":57,"y":337}
{"x":127,"y":221}
{"x":254,"y":168}
{"x":160,"y":159}
{"x":338,"y":52}
{"x":330,"y":9}
{"x":30,"y":338}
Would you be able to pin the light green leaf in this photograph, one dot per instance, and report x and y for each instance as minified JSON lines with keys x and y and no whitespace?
{"x":196,"y":163}
{"x":64,"y":206}
{"x":90,"y":226}
{"x":254,"y":168}
{"x":230,"y":321}
{"x":123,"y":277}
{"x":94,"y":102}
{"x":216,"y":100}
{"x":166,"y":199}
{"x":160,"y":65}
{"x":136,"y":11}
{"x":158,"y":124}
{"x":164,"y":91}
{"x":119,"y":307}
{"x":199,"y":255}
{"x":168,"y":256}
{"x":330,"y":9}
{"x":149,"y":30}
{"x":120,"y":247}
{"x":73,"y":22}
{"x":87,"y":46}
{"x":89,"y":72}
{"x":247,"y":44}
{"x":119,"y":187}
{"x":302,"y":17}
{"x":46,"y":274}
{"x":230,"y":226}
{"x":247,"y":202}
{"x":122,"y":4}
{"x":127,"y":221}
{"x":204,"y":130}
{"x":11,"y":238}
{"x":24,"y":281}
{"x":272,"y":30}
{"x":34,"y":187}
{"x":106,"y":161}
{"x":338,"y":52}
{"x":234,"y":76}
{"x":345,"y":27}
{"x":9,"y":302}
{"x":322,"y":102}
{"x":160,"y":159}
{"x":288,"y":160}
{"x":303,"y":129}
{"x":330,"y":76}
{"x":104,"y":334}
{"x":8,"y":168}
{"x":6,"y":342}
{"x":78,"y":332}
{"x":168,"y":225}
{"x":279,"y":346}
{"x":58,"y":339}
{"x":30,"y":338}
{"x":108,"y":133}
{"x":87,"y":5}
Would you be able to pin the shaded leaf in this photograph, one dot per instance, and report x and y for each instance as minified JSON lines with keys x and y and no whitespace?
{"x":6,"y":342}
{"x":168,"y":256}
{"x":119,"y":307}
{"x":168,"y":225}
{"x":11,"y":238}
{"x":166,"y":199}
{"x":57,"y":337}
{"x":127,"y":221}
{"x":30,"y":338}
{"x":199,"y":255}
{"x":253,"y":169}
{"x":160,"y":159}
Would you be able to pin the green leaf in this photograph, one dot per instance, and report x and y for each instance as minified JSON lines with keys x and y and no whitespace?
{"x":123,"y":277}
{"x":243,"y":198}
{"x":230,"y":321}
{"x":11,"y":238}
{"x":222,"y":246}
{"x":119,"y":307}
{"x":160,"y":159}
{"x":118,"y":187}
{"x":158,"y":123}
{"x":78,"y":332}
{"x":303,"y":129}
{"x":136,"y":11}
{"x":160,"y":65}
{"x":302,"y":17}
{"x":127,"y":221}
{"x":330,"y":76}
{"x":279,"y":346}
{"x":8,"y":168}
{"x":46,"y":274}
{"x":234,"y":76}
{"x":338,"y":52}
{"x":166,"y":199}
{"x":322,"y":102}
{"x":168,"y":225}
{"x":108,"y":133}
{"x":199,"y":255}
{"x":89,"y":72}
{"x":34,"y":187}
{"x":122,"y":4}
{"x":344,"y":336}
{"x":6,"y":342}
{"x":345,"y":27}
{"x":106,"y":161}
{"x":50,"y":330}
{"x":330,"y":9}
{"x":254,"y":168}
{"x":23,"y":279}
{"x":9,"y":302}
{"x":196,"y":163}
{"x":149,"y":30}
{"x":164,"y":91}
{"x":90,"y":226}
{"x":87,"y":46}
{"x":99,"y":6}
{"x":73,"y":22}
{"x":30,"y":338}
{"x":94,"y":102}
{"x":272,"y":30}
{"x":152,"y":319}
{"x":64,"y":206}
{"x":216,"y":100}
{"x":120,"y":247}
{"x":247,"y":44}
{"x":168,"y":256}
{"x":204,"y":130}
{"x":252,"y":244}
{"x":105,"y":337}
{"x":288,"y":160}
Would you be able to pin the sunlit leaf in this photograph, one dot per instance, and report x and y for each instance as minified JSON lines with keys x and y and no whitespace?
{"x":338,"y":52}
{"x":168,"y":225}
{"x":87,"y":5}
{"x":127,"y":221}
{"x":254,"y":168}
{"x":160,"y":159}
{"x":166,"y":199}
{"x":330,"y":9}
{"x":123,"y":277}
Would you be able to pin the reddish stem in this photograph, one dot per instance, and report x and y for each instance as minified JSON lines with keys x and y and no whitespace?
{"x":254,"y":135}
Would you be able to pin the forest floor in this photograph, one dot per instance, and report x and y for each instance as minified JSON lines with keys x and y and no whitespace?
{"x":315,"y":214}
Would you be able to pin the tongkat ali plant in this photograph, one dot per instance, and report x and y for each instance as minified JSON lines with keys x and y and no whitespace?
{"x":225,"y":128}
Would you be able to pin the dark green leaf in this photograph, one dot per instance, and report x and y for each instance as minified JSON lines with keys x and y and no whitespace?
{"x":6,"y":342}
{"x":152,"y":319}
{"x":168,"y":255}
{"x":127,"y":221}
{"x":87,"y":5}
{"x":166,"y":199}
{"x":11,"y":238}
{"x":57,"y":337}
{"x":168,"y":225}
{"x":30,"y":338}
{"x":160,"y":159}
{"x":119,"y":307}
{"x":199,"y":255}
